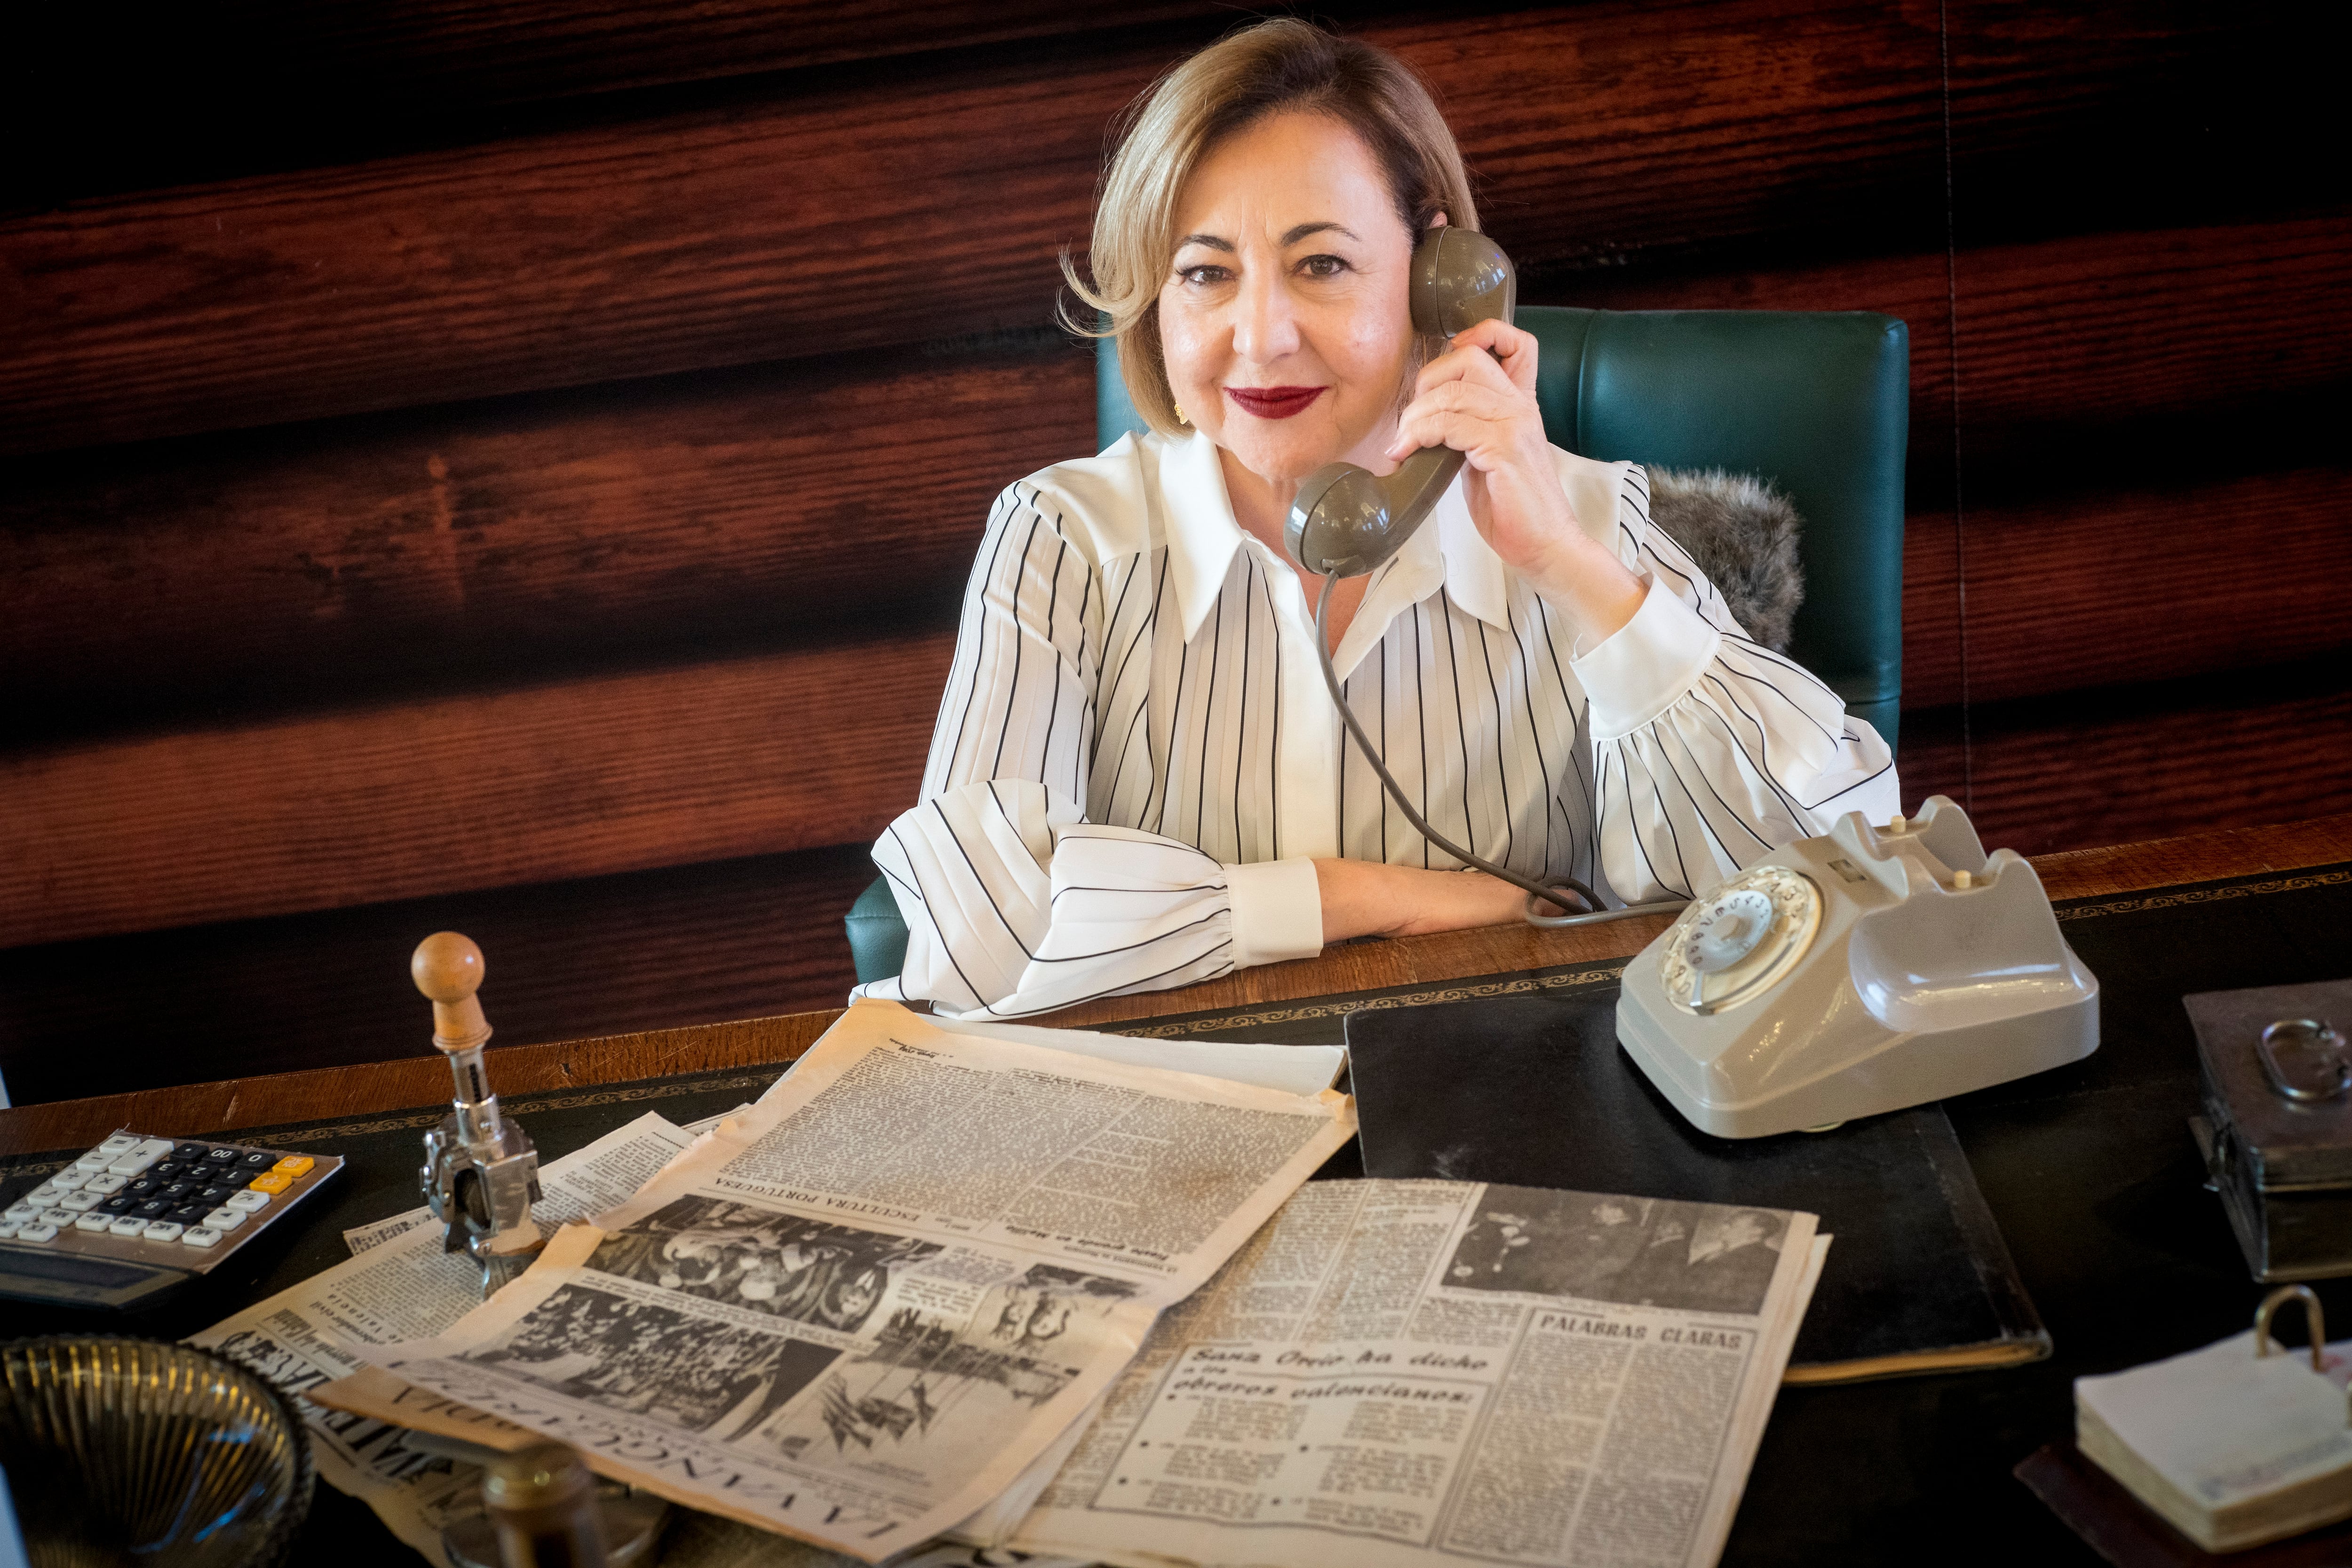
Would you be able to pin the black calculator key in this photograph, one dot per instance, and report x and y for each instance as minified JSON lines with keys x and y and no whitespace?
{"x":169,"y":1169}
{"x":258,"y":1160}
{"x":186,"y":1153}
{"x":222,"y":1156}
{"x":144,"y":1186}
{"x":214,"y":1195}
{"x":154,"y":1208}
{"x":180,"y":1193}
{"x":120,"y":1202}
{"x":189,"y":1214}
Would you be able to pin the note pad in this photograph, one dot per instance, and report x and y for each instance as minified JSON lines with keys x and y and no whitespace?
{"x":2233,"y":1449}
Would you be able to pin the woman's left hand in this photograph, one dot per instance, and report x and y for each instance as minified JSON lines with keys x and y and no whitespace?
{"x":1479,"y":398}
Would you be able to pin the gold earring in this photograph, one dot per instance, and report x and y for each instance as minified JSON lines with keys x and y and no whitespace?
{"x":1180,"y":415}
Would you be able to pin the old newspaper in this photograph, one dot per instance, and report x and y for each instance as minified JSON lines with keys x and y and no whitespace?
{"x":1421,"y":1372}
{"x":862,"y":1309}
{"x":405,"y":1286}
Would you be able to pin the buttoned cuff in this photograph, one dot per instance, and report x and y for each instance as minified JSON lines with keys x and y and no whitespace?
{"x":1277,"y":908}
{"x":1647,"y":665}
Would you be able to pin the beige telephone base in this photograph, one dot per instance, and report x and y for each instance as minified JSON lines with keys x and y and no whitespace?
{"x":1863,"y":971}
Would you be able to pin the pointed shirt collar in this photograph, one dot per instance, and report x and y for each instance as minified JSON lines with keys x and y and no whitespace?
{"x":1202,"y":536}
{"x":1202,"y":532}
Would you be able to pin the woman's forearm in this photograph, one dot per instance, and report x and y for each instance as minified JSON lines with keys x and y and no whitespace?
{"x":1361,"y":898}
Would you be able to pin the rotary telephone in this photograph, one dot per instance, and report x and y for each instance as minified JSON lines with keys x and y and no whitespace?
{"x":1868,"y":970}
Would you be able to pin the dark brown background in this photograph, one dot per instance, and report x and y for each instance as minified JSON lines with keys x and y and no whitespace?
{"x":514,"y":471}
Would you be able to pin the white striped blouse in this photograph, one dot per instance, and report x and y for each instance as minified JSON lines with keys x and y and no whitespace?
{"x":1137,"y":762}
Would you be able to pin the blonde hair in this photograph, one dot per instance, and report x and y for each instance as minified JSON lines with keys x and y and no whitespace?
{"x":1269,"y":67}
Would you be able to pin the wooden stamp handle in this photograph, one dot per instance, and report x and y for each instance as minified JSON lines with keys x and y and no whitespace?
{"x":448,"y":969}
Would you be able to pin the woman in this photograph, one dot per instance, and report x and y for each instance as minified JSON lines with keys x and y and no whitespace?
{"x":1138,"y":779}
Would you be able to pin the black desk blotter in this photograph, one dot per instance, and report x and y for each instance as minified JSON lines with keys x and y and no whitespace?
{"x":1533,"y":1091}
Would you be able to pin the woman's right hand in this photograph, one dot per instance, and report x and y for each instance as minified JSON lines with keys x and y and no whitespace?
{"x":1361,"y":898}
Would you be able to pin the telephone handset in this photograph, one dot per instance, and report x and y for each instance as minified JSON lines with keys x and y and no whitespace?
{"x":1345,"y":521}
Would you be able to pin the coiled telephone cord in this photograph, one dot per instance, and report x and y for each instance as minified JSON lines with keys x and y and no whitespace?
{"x":1593,"y":913}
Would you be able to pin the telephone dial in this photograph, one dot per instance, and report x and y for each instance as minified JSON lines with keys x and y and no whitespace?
{"x":1345,"y":521}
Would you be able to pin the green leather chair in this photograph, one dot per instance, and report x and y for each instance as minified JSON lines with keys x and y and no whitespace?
{"x":1819,"y":402}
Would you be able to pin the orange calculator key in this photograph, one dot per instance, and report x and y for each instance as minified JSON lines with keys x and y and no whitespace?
{"x":294,"y":1166}
{"x":270,"y":1182}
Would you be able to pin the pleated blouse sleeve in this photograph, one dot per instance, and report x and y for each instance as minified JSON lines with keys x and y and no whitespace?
{"x":1014,"y":902}
{"x":1709,"y":749}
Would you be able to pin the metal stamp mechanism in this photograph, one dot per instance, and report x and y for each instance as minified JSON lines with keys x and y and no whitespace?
{"x":481,"y":1171}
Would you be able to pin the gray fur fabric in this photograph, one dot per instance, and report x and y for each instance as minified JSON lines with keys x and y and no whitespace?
{"x":1743,"y":534}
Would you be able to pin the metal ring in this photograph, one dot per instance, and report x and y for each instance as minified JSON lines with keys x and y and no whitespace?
{"x":2312,"y":1319}
{"x":2324,"y":1035}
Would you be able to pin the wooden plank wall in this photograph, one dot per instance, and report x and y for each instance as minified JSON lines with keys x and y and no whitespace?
{"x":515,"y":470}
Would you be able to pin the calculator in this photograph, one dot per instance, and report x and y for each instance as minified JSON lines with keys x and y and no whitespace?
{"x":137,"y":1219}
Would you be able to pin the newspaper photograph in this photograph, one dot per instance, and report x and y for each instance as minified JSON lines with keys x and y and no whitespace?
{"x":403,"y":1286}
{"x":860,"y":1311}
{"x":1423,"y":1372}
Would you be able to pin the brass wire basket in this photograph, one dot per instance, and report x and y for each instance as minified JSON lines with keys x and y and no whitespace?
{"x":123,"y":1451}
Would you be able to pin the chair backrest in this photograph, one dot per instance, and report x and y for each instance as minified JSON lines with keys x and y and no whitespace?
{"x":1818,"y":402}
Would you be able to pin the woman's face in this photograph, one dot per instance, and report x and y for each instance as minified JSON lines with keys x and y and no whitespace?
{"x":1285,"y":316}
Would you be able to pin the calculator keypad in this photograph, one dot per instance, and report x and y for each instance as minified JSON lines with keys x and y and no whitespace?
{"x":174,"y":1204}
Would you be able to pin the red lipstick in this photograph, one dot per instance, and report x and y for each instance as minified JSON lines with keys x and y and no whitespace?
{"x":1273,"y":401}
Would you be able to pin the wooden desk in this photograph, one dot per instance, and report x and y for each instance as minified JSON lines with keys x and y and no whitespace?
{"x":2089,"y":1172}
{"x":1357,"y":966}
